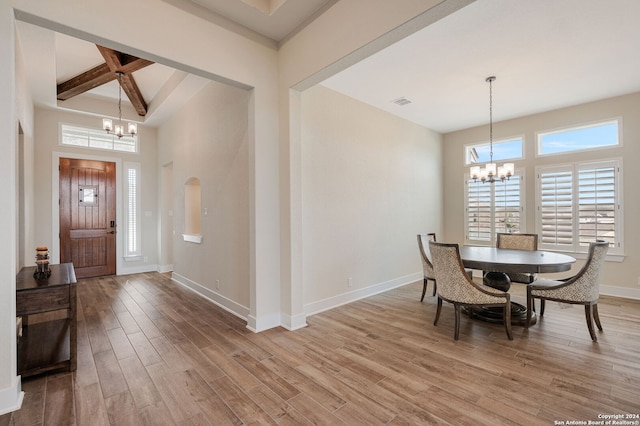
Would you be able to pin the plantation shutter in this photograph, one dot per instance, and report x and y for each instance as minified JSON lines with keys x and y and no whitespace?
{"x":479,"y":211}
{"x":578,"y":204}
{"x":555,"y":203}
{"x":132,"y":227}
{"x":508,"y":207}
{"x":493,"y":207}
{"x":597,"y":203}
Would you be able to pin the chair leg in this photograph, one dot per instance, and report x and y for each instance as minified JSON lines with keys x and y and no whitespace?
{"x":596,"y":317}
{"x":435,"y":287}
{"x":507,"y":319}
{"x":587,"y":313}
{"x":531,"y":305}
{"x":456,"y":333}
{"x":424,"y":288}
{"x":435,"y":322}
{"x":541,"y":307}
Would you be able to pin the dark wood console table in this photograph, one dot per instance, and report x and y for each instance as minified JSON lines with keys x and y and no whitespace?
{"x":48,"y":345}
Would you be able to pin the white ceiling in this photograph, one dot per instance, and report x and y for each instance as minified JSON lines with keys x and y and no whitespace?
{"x":275,"y":19}
{"x":546,"y":54}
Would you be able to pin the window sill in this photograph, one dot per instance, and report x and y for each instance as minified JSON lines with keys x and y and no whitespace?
{"x":132,"y":258}
{"x":191,"y":238}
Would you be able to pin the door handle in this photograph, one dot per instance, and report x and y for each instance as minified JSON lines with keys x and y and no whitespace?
{"x":112,"y":232}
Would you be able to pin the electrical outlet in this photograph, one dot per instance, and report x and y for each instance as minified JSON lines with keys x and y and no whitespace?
{"x":349,"y":282}
{"x":217,"y":284}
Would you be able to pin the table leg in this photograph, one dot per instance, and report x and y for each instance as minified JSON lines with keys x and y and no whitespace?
{"x":494,"y":314}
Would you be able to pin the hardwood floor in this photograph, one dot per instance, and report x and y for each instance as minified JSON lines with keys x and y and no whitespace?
{"x":151,"y":352}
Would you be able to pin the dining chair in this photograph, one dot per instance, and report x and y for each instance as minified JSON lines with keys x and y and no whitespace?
{"x":582,"y":289}
{"x":518,"y":242}
{"x":455,"y":286}
{"x":427,"y":264}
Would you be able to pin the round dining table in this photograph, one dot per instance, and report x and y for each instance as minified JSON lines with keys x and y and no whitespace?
{"x":497,"y":262}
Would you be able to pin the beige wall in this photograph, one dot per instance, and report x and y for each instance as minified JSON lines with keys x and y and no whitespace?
{"x":370,"y":182}
{"x":619,"y":278}
{"x":208,"y":140}
{"x":48,"y":150}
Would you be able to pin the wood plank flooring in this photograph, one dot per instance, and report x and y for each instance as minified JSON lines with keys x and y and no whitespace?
{"x":153,"y":353}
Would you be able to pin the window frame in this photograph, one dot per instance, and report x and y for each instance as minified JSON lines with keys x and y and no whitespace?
{"x":469,"y":147}
{"x":520,"y":175}
{"x":98,"y":133}
{"x":542,"y":133}
{"x":127,"y":232}
{"x":575,"y":167}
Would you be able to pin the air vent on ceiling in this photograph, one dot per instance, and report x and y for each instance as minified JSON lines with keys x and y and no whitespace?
{"x":402,"y":101}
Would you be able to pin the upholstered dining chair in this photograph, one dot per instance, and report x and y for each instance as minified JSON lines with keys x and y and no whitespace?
{"x":582,"y":289}
{"x":455,"y":286}
{"x":518,"y":242}
{"x":427,"y":265}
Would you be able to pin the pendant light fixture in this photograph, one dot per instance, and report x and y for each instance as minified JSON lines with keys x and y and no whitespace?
{"x":490,"y":173}
{"x":107,"y":124}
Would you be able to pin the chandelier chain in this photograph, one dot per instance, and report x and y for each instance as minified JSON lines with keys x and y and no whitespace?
{"x":491,"y":172}
{"x":490,"y":80}
{"x":107,"y":123}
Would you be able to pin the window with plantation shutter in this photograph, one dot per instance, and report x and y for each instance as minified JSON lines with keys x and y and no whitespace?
{"x":508,"y":207}
{"x":597,"y":203}
{"x":492,"y":208}
{"x":555,"y":192}
{"x":578,"y":204}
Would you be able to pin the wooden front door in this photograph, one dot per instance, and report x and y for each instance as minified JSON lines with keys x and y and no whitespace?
{"x":88,"y":216}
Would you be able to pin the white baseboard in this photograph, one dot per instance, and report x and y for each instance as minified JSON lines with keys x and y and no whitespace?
{"x":624,"y":292}
{"x":11,"y":397}
{"x":344,"y":298}
{"x":137,"y":269}
{"x":294,"y":322}
{"x":165,"y":268}
{"x":263,"y":323}
{"x":216,"y":298}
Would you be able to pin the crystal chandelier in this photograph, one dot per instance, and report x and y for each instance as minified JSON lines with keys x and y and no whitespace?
{"x":107,"y":124}
{"x":490,"y":173}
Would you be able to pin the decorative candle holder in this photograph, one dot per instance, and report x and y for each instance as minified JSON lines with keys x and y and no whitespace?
{"x":42,"y":264}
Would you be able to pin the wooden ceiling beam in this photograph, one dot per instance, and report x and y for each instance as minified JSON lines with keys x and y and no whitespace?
{"x":122,"y":62}
{"x":114,"y":62}
{"x":126,"y":64}
{"x":88,"y":80}
{"x":133,"y":93}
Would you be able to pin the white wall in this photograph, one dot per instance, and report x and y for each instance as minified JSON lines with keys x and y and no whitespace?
{"x":208,"y":140}
{"x":370,"y":182}
{"x":345,"y":34}
{"x":26,"y":221}
{"x":10,"y":389}
{"x":619,"y":279}
{"x":48,"y":150}
{"x":176,"y":38}
{"x":173,"y":37}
